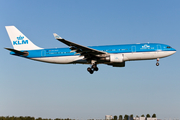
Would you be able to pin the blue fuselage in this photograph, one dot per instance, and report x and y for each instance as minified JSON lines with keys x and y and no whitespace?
{"x":128,"y":48}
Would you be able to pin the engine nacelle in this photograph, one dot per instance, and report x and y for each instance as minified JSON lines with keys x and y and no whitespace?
{"x":116,"y":58}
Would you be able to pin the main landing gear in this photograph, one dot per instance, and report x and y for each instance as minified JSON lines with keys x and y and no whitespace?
{"x":157,"y":64}
{"x":92,"y":68}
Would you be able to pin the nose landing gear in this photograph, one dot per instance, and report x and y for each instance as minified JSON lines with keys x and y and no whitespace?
{"x":157,"y":64}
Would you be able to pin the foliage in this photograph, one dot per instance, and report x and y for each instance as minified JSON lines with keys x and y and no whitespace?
{"x":126,"y":117}
{"x":120,"y":117}
{"x":154,"y":116}
{"x":148,"y":116}
{"x":28,"y":118}
{"x":115,"y":117}
{"x":32,"y":118}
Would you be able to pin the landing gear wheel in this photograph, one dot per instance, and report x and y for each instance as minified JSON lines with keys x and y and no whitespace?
{"x":96,"y":69}
{"x":157,"y":64}
{"x":90,"y":70}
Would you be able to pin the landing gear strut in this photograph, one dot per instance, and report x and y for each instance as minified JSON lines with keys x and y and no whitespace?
{"x":93,"y":67}
{"x":157,"y":64}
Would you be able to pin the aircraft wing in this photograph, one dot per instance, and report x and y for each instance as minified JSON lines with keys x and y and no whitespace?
{"x":83,"y":50}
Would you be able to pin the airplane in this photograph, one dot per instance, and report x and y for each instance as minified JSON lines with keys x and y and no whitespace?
{"x":113,"y":55}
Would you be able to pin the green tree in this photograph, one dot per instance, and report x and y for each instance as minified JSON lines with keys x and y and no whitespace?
{"x":39,"y":118}
{"x":2,"y":118}
{"x":57,"y":119}
{"x":120,"y":117}
{"x":115,"y":117}
{"x":22,"y":118}
{"x":126,"y":117}
{"x":11,"y":118}
{"x":148,"y":116}
{"x":154,"y":116}
{"x":142,"y":116}
{"x":15,"y":118}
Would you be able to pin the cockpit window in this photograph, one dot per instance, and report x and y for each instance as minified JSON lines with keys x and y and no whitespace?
{"x":168,"y":47}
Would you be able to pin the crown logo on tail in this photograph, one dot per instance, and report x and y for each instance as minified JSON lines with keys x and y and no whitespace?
{"x":20,"y":38}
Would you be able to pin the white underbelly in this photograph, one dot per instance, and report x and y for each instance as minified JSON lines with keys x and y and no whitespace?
{"x":147,"y":55}
{"x":60,"y":60}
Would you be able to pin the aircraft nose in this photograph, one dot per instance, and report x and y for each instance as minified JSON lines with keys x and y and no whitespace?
{"x":174,"y":51}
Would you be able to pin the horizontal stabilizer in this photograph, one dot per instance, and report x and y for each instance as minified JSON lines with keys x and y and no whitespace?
{"x":17,"y":51}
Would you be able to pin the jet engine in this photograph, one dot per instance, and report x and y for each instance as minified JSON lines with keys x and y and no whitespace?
{"x":114,"y":58}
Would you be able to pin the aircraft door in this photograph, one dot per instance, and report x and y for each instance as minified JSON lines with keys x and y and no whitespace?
{"x":133,"y":48}
{"x":43,"y":53}
{"x":158,"y":47}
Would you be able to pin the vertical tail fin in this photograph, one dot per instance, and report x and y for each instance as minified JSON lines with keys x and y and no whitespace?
{"x":19,"y":40}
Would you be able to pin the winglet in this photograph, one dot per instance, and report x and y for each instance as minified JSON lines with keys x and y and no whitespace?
{"x":57,"y":36}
